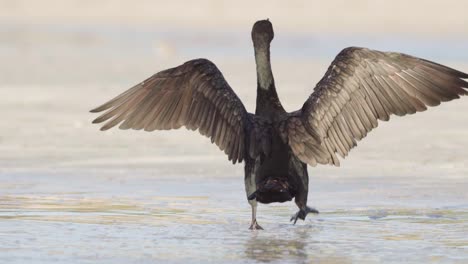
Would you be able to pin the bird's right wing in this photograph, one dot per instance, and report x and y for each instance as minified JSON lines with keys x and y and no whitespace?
{"x":194,"y":95}
{"x":361,"y":87}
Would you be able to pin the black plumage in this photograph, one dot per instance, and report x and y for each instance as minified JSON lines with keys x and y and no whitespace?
{"x":360,"y":87}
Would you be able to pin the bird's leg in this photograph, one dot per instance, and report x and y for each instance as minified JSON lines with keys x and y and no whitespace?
{"x":302,"y":213}
{"x":301,"y":202}
{"x":254,"y":225}
{"x":251,"y":191}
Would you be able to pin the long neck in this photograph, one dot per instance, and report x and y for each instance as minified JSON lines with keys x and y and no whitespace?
{"x":268,"y":103}
{"x":264,"y":74}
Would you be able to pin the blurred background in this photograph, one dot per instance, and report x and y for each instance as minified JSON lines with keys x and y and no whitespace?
{"x":66,"y":187}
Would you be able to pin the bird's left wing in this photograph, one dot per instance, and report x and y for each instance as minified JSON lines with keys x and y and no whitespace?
{"x":194,"y":95}
{"x":360,"y":87}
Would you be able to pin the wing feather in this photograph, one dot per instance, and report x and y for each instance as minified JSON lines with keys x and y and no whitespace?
{"x":194,"y":95}
{"x":361,"y":87}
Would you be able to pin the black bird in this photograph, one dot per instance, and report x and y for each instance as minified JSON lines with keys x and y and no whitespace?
{"x":360,"y":87}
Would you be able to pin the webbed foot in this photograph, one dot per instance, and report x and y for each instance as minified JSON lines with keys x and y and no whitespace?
{"x":255,"y":225}
{"x":301,"y":214}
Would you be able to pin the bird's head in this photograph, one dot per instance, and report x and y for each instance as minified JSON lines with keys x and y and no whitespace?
{"x":262,"y":33}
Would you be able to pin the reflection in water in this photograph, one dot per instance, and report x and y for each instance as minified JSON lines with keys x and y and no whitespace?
{"x":268,"y":249}
{"x":301,"y":248}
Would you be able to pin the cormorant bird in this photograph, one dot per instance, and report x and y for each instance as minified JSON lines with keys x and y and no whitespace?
{"x":360,"y":87}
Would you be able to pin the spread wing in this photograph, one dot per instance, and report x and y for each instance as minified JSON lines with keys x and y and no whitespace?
{"x":194,"y":95}
{"x":361,"y":87}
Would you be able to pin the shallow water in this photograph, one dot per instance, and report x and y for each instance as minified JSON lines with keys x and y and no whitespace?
{"x":133,"y":216}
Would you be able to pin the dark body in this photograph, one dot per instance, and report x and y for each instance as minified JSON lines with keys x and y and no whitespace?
{"x":360,"y":88}
{"x":279,"y":176}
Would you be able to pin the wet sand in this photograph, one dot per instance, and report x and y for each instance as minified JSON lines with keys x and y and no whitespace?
{"x":70,"y":193}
